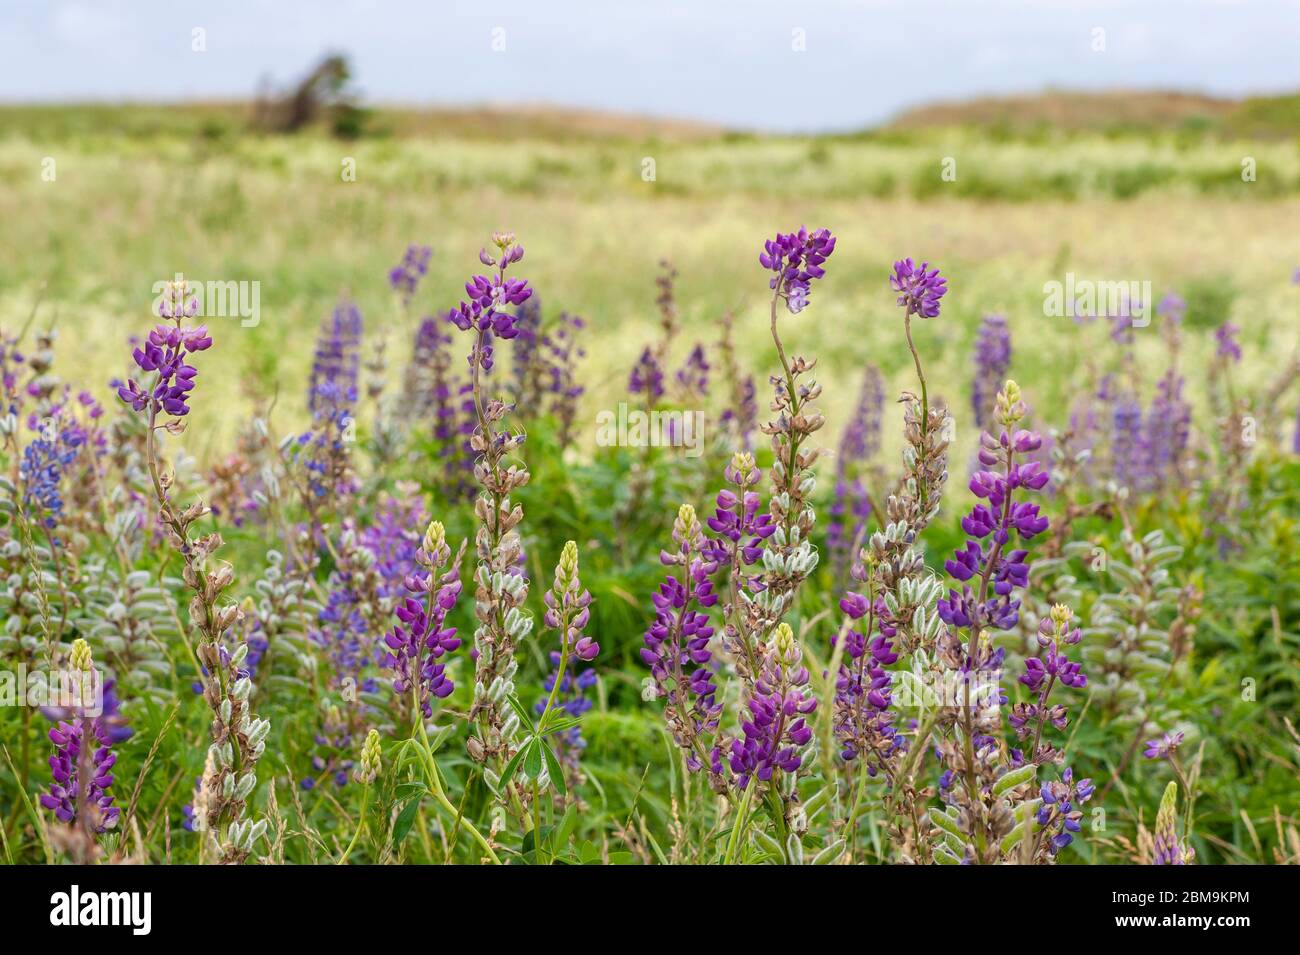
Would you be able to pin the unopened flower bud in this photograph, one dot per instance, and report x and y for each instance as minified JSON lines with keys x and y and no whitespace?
{"x":81,"y":657}
{"x":371,"y":759}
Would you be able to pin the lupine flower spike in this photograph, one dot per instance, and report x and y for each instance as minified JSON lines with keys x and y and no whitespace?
{"x":1168,"y":848}
{"x":238,"y":737}
{"x":83,"y":760}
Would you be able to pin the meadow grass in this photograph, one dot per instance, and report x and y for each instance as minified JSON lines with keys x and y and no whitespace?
{"x":128,"y":209}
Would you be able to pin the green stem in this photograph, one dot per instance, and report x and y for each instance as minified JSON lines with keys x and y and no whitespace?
{"x":541,"y":722}
{"x":925,"y":400}
{"x":537,"y":820}
{"x":361,"y":824}
{"x":776,"y":807}
{"x":436,"y":790}
{"x":742,"y":820}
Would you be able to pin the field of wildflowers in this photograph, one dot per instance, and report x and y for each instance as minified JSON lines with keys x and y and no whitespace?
{"x":862,"y":555}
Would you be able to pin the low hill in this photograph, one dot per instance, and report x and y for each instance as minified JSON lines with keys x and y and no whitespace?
{"x":1114,"y":111}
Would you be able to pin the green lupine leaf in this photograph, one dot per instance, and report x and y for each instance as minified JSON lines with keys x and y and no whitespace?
{"x":554,"y":769}
{"x":402,"y":825}
{"x":533,"y":759}
{"x":521,"y":711}
{"x":567,"y":824}
{"x":512,"y":767}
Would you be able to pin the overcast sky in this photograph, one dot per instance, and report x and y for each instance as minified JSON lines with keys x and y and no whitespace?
{"x":734,"y":62}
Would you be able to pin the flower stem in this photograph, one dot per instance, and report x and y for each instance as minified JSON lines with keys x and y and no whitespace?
{"x":361,"y":824}
{"x":436,"y":790}
{"x":742,"y":820}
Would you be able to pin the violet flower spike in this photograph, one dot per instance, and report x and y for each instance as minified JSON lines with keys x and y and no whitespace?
{"x":796,"y":259}
{"x":919,"y":288}
{"x":420,"y":640}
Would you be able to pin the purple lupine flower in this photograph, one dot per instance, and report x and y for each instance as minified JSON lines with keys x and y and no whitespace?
{"x":1129,"y":453}
{"x":647,"y":377}
{"x":392,"y":539}
{"x":999,"y":571}
{"x":417,"y":644}
{"x":416,"y":649}
{"x":343,"y":632}
{"x":1168,"y":848}
{"x":1226,"y":338}
{"x":796,"y":260}
{"x":743,"y":417}
{"x":334,"y":748}
{"x":1164,"y":747}
{"x":332,"y":388}
{"x":1090,"y":420}
{"x":485,"y":309}
{"x":776,"y":730}
{"x":560,"y":353}
{"x":1121,"y":327}
{"x":740,"y":522}
{"x":165,"y":352}
{"x":1168,"y":428}
{"x":433,"y":389}
{"x":45,"y":461}
{"x":693,"y":376}
{"x":83,"y":756}
{"x":1052,"y":666}
{"x":1058,"y":815}
{"x":1042,"y":674}
{"x":861,"y":438}
{"x":405,"y":276}
{"x":919,"y":288}
{"x":1172,"y":308}
{"x":10,"y":361}
{"x":366,"y":583}
{"x":851,"y":505}
{"x":332,"y":397}
{"x":863,"y":721}
{"x":189,"y":817}
{"x":429,"y":362}
{"x":81,"y":766}
{"x":677,"y":644}
{"x":992,"y":361}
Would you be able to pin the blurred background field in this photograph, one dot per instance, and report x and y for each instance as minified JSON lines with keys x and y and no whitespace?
{"x":1044,"y":186}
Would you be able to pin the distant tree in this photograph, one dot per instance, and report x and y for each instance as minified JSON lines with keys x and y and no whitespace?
{"x":325,"y":91}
